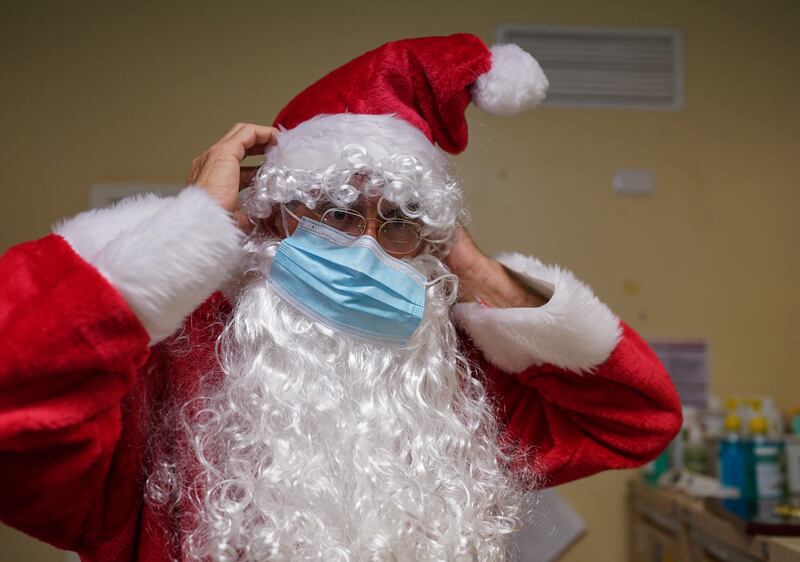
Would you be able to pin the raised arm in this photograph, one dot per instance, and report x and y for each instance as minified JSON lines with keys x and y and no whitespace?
{"x":573,"y":384}
{"x":70,"y":348}
{"x":79,"y":310}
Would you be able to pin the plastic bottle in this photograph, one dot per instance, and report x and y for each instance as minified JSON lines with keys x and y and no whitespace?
{"x":695,"y":452}
{"x":748,"y":409}
{"x":678,"y":445}
{"x":775,"y":426}
{"x":792,"y":456}
{"x":731,"y":404}
{"x":713,"y":431}
{"x":794,"y":422}
{"x":655,"y":468}
{"x":765,"y":465}
{"x":732,"y":463}
{"x":714,"y":418}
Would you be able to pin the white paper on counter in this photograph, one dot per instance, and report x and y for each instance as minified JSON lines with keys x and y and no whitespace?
{"x":555,"y":527}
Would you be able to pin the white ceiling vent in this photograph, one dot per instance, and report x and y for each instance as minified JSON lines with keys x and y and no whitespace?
{"x":605,"y":67}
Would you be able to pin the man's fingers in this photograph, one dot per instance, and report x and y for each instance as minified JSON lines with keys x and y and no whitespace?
{"x":246,"y":176}
{"x":246,"y":139}
{"x":233,"y":130}
{"x":251,"y":134}
{"x":257,"y":149}
{"x":216,"y":168}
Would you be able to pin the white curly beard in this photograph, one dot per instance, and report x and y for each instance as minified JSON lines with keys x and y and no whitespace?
{"x":318,"y":447}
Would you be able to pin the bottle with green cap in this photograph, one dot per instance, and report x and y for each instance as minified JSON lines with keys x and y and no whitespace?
{"x":765,"y":467}
{"x":653,"y":470}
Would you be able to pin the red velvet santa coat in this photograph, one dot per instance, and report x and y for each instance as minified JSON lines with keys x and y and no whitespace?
{"x":80,"y":377}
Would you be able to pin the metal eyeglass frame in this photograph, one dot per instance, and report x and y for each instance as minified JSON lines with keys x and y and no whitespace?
{"x":416,"y":227}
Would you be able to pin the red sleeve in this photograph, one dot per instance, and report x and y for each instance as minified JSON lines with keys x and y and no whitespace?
{"x":69,"y":351}
{"x":621,"y":415}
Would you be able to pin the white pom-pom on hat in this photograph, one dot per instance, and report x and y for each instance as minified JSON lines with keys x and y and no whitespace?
{"x":514,"y":84}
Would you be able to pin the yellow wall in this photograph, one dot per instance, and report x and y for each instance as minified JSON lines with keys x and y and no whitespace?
{"x":91,"y":93}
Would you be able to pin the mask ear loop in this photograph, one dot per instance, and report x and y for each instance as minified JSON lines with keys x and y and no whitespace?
{"x":245,"y":207}
{"x":284,"y":220}
{"x":451,"y":290}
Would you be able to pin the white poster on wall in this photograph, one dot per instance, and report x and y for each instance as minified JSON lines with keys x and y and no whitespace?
{"x":686,"y":361}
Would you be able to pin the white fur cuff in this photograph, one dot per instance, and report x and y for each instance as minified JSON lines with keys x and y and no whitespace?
{"x":164,"y":255}
{"x":574,"y":330}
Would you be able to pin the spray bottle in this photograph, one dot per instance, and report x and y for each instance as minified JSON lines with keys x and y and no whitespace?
{"x":765,"y":467}
{"x":732,"y":463}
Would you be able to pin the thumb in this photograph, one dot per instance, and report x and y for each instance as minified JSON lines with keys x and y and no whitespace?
{"x":243,"y":221}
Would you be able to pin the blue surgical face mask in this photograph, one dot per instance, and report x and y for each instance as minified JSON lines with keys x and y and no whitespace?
{"x":348,"y":283}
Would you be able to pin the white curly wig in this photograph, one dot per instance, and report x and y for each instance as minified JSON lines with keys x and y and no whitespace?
{"x":303,"y":445}
{"x":316,"y":162}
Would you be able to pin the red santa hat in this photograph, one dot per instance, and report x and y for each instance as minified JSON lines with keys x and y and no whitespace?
{"x":400,"y":100}
{"x":426,"y":82}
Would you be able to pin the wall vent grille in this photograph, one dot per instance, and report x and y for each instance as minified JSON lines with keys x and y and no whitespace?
{"x":605,"y":67}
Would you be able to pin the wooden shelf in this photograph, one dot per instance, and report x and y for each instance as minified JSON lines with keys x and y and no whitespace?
{"x":666,"y":526}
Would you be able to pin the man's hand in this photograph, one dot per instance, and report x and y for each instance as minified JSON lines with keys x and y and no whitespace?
{"x":218,"y":169}
{"x":484,"y":280}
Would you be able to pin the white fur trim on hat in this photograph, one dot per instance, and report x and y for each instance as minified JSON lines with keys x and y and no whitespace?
{"x":164,"y":255}
{"x":514,"y":84}
{"x":573,"y":330}
{"x":319,"y":142}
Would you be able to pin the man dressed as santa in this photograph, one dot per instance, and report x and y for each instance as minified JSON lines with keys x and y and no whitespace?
{"x":350,"y":380}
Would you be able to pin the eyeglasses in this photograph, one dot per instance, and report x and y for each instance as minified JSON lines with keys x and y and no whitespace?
{"x":395,"y":235}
